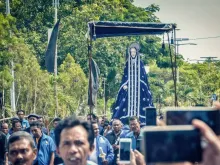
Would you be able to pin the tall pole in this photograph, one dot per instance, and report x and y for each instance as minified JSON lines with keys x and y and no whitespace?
{"x":13,"y":107}
{"x":175,"y":68}
{"x":56,"y":4}
{"x":90,"y":75}
{"x":104,"y":98}
{"x":7,"y":7}
{"x":12,"y":90}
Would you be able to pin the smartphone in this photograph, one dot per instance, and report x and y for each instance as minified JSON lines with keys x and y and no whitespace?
{"x":151,"y":116}
{"x":169,"y":144}
{"x":181,"y":116}
{"x":124,"y":150}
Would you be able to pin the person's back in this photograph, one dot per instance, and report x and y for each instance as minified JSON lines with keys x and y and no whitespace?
{"x":3,"y":147}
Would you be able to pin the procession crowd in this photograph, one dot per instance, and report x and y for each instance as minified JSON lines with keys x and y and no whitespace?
{"x":72,"y":141}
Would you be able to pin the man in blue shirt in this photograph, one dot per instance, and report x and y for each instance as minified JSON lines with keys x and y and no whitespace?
{"x":135,"y":133}
{"x":45,"y":145}
{"x":24,"y":123}
{"x":103,"y":153}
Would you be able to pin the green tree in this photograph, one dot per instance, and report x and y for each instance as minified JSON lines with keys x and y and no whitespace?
{"x":72,"y":87}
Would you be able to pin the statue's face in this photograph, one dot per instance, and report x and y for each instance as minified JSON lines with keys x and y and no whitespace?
{"x":133,"y":52}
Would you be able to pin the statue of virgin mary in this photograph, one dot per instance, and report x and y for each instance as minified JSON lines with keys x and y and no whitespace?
{"x":134,"y":94}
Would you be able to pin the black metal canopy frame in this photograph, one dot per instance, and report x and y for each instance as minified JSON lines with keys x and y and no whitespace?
{"x":103,"y":29}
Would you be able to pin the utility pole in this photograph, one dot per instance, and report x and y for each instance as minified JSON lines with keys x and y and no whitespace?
{"x":7,"y":7}
{"x":12,"y":90}
{"x":56,"y":5}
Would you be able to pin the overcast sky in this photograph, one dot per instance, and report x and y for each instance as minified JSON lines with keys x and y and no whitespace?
{"x":196,"y":19}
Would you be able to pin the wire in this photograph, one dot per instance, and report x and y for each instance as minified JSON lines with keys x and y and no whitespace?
{"x":204,"y":38}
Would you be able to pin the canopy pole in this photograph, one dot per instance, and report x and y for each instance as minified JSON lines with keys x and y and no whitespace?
{"x":171,"y":59}
{"x":175,"y":68}
{"x":90,"y":74}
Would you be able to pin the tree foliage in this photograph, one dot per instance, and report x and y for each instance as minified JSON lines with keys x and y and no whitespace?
{"x":23,"y":40}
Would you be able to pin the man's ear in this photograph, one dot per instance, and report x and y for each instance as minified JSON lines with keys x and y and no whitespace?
{"x":35,"y":153}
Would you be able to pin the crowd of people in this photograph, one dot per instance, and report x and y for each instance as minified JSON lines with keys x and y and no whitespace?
{"x":72,"y":141}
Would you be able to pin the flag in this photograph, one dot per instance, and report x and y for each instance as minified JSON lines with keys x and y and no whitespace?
{"x":94,"y":80}
{"x":51,"y":48}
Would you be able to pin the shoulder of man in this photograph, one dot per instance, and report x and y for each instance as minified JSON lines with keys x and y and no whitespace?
{"x":102,"y":139}
{"x":46,"y":137}
{"x":109,"y":134}
{"x":129,"y":135}
{"x":90,"y":163}
{"x":2,"y":135}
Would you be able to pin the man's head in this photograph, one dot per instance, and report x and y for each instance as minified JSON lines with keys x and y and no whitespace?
{"x":95,"y":127}
{"x":134,"y":124}
{"x":102,"y":121}
{"x":16,"y":126}
{"x":92,"y":117}
{"x":74,"y":140}
{"x":56,"y":121}
{"x":21,"y":149}
{"x":4,"y":128}
{"x":116,"y":124}
{"x":36,"y":129}
{"x":40,"y":119}
{"x":20,"y":114}
{"x":32,"y":118}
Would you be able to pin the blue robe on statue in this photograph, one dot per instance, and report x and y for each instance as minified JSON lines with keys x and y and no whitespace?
{"x":134,"y":94}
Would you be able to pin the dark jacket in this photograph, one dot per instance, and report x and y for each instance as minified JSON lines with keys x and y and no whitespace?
{"x":3,"y":147}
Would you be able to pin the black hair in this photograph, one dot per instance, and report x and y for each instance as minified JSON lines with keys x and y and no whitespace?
{"x":19,"y":135}
{"x":133,"y":118}
{"x":20,"y":110}
{"x":71,"y":122}
{"x":57,"y":119}
{"x":14,"y":122}
{"x":36,"y":123}
{"x":1,"y":124}
{"x":93,"y":115}
{"x":116,"y":120}
{"x":106,"y":123}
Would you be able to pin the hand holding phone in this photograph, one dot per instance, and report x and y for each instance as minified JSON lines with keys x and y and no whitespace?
{"x":211,"y":154}
{"x":171,"y":144}
{"x":183,"y":116}
{"x":151,"y":116}
{"x":136,"y":158}
{"x":124,"y":150}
